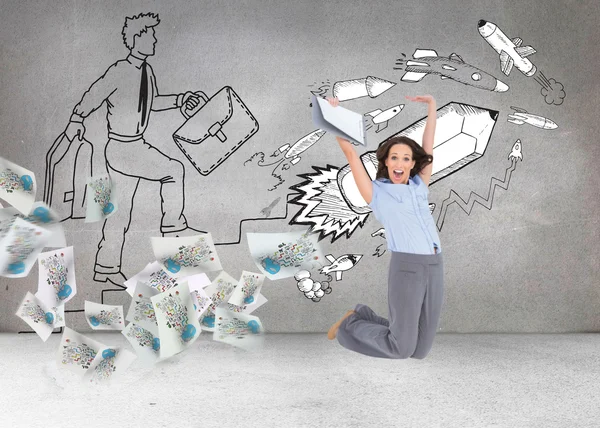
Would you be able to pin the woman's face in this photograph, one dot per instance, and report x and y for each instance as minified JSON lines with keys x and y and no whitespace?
{"x":399,"y":162}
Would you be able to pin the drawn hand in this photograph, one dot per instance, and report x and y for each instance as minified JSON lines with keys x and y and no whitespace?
{"x":333,"y":101}
{"x":75,"y":129}
{"x":191,"y":100}
{"x":422,"y":98}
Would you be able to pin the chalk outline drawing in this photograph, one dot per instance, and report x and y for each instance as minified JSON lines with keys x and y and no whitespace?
{"x":512,"y":53}
{"x":427,"y":61}
{"x":340,"y":265}
{"x":381,"y":118}
{"x":357,"y":88}
{"x":487,"y":201}
{"x":327,"y":205}
{"x":520,"y":116}
{"x":287,"y":156}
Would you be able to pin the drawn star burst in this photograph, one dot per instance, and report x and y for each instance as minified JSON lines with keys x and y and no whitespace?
{"x":324,"y":207}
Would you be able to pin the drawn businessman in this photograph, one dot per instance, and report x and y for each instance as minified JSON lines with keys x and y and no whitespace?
{"x":130,"y":91}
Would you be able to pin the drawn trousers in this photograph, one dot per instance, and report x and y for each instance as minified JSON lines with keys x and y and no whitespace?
{"x":128,"y":162}
{"x":415,"y":294}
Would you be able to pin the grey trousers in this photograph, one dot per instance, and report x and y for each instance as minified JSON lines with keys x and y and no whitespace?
{"x":415,"y":294}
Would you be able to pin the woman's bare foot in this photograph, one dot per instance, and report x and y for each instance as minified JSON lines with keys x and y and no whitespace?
{"x":334,"y":328}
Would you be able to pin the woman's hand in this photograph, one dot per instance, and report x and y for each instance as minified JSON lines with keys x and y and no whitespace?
{"x":422,"y":98}
{"x":341,"y":141}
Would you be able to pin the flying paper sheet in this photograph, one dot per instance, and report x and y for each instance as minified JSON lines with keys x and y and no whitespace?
{"x":200,"y":299}
{"x":238,"y":329}
{"x":219,"y":291}
{"x":17,"y":186}
{"x":101,"y":199}
{"x":187,"y":255}
{"x":20,"y":247}
{"x":104,"y":317}
{"x":109,"y":364}
{"x":76,"y":352}
{"x":281,"y":255}
{"x":145,"y":344}
{"x":247,"y":309}
{"x":247,"y":289}
{"x":56,"y":270}
{"x":38,"y":316}
{"x":41,"y":216}
{"x":141,"y":312}
{"x":153,"y":276}
{"x":178,"y":326}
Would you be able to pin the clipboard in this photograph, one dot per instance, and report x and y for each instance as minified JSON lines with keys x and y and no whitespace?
{"x":339,"y":121}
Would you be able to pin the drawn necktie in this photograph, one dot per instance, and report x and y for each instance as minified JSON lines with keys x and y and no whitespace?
{"x":143,"y":102}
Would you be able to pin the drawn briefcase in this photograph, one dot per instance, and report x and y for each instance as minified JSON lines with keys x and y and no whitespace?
{"x":214,"y":129}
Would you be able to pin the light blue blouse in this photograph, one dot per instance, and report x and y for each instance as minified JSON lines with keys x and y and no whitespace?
{"x":403,"y":210}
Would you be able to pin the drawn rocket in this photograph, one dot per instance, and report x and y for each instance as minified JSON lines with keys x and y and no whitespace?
{"x":511,"y":52}
{"x":300,"y":146}
{"x":340,"y":265}
{"x":521,"y":116}
{"x":516,"y":151}
{"x":357,"y":88}
{"x":453,"y":68}
{"x":379,"y":232}
{"x":381,"y":118}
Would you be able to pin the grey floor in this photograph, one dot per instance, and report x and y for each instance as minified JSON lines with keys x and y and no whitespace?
{"x":304,"y":380}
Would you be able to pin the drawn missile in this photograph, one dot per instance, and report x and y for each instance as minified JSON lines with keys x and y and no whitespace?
{"x":357,"y":88}
{"x":300,"y":146}
{"x":511,"y":52}
{"x":379,"y":232}
{"x":267,"y":210}
{"x":381,"y":118}
{"x":340,"y":265}
{"x":452,"y":67}
{"x":521,"y":116}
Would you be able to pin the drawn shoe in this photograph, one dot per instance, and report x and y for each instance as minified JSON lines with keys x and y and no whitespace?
{"x":188,"y":231}
{"x":179,"y":228}
{"x":332,"y":333}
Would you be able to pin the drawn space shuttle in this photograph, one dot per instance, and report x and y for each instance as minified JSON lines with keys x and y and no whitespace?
{"x":341,"y":264}
{"x":511,"y":52}
{"x":381,"y":118}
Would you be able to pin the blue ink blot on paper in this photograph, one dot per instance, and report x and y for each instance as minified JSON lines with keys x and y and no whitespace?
{"x":42,"y":214}
{"x":64,"y":292}
{"x":16,"y":268}
{"x":172,"y":266}
{"x":249,"y":299}
{"x":271,"y":266}
{"x":108,"y":353}
{"x":49,"y":318}
{"x":108,"y":208}
{"x":188,"y":333}
{"x":209,"y":321}
{"x":94,"y":321}
{"x":156,"y":343}
{"x":254,"y":327}
{"x":27,"y":182}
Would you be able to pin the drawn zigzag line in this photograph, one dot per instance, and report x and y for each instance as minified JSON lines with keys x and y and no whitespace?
{"x":467,"y":206}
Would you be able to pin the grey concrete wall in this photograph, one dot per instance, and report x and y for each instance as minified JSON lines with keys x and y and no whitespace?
{"x":520,"y":237}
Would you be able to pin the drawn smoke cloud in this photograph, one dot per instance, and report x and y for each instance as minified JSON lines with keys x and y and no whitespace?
{"x":313,"y":290}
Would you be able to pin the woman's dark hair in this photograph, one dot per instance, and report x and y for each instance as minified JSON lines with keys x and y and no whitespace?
{"x":421,"y":158}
